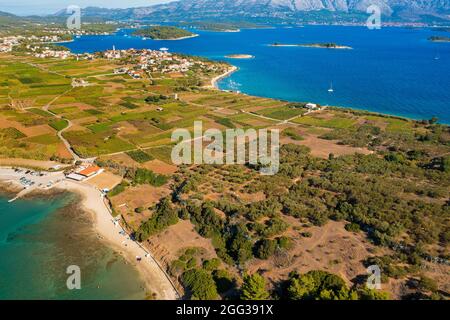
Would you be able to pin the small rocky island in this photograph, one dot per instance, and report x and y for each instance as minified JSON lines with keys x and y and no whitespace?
{"x":312,"y":45}
{"x":164,"y":33}
{"x":439,"y":39}
{"x":239,"y":56}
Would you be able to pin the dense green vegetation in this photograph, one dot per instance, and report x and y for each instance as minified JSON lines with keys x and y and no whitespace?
{"x":398,"y":197}
{"x":205,"y":280}
{"x":318,"y":285}
{"x":58,"y":125}
{"x":164,"y":216}
{"x":118,"y":189}
{"x":144,"y":176}
{"x":321,"y":285}
{"x":254,"y":288}
{"x":163,"y":33}
{"x":200,"y":284}
{"x":140,"y":156}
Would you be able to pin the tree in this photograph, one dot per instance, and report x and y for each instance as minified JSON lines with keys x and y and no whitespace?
{"x":224,"y":281}
{"x":212,"y":264}
{"x":254,"y":288}
{"x":200,"y":284}
{"x":163,"y":217}
{"x":319,"y":285}
{"x":240,"y":246}
{"x":266,"y":248}
{"x":427,"y":284}
{"x":371,"y":294}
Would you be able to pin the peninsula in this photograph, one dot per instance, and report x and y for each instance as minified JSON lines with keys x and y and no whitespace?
{"x":164,"y":33}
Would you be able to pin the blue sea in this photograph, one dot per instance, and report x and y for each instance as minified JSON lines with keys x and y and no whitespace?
{"x":41,"y":237}
{"x":393,"y":70}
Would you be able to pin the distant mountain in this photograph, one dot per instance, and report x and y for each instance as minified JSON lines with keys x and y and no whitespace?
{"x":412,"y":10}
{"x":7,"y":15}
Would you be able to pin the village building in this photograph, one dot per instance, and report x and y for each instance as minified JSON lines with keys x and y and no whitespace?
{"x":312,"y":106}
{"x":90,"y":171}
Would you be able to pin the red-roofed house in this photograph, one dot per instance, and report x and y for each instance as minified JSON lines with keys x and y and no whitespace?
{"x":90,"y":171}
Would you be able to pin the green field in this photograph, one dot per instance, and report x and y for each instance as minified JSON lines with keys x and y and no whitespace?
{"x":335,"y":122}
{"x":282,"y":113}
{"x":58,"y":125}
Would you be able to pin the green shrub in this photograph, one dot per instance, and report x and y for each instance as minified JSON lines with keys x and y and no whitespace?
{"x":200,"y":284}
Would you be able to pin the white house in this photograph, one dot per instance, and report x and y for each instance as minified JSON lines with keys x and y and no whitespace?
{"x":312,"y":106}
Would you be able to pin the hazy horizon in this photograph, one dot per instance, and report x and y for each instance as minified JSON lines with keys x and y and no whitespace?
{"x":45,"y":7}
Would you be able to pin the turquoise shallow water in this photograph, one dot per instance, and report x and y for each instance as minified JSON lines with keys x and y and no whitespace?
{"x":41,"y":237}
{"x":392,"y":70}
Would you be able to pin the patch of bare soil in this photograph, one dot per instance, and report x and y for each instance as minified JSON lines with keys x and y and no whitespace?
{"x":224,"y":111}
{"x":121,"y":158}
{"x":28,"y":163}
{"x":37,"y":130}
{"x":330,"y":248}
{"x":322,"y":148}
{"x":160,"y":167}
{"x":105,"y":180}
{"x":84,"y":121}
{"x":168,"y":245}
{"x":29,"y":131}
{"x":125,"y":128}
{"x":144,"y":196}
{"x":62,"y":151}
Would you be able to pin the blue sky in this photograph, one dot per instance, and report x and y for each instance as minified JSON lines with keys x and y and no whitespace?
{"x":26,"y":7}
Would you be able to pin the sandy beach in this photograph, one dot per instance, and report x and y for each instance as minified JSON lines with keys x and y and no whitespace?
{"x":156,"y":280}
{"x":215,"y":80}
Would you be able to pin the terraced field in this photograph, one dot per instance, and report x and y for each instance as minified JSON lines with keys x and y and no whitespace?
{"x":114,"y":113}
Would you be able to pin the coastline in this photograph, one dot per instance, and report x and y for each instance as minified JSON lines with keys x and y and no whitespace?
{"x":360,"y":107}
{"x":156,"y":281}
{"x":154,"y":277}
{"x":215,"y":80}
{"x":176,"y":39}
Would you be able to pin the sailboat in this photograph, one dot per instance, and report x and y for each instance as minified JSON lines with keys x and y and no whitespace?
{"x":331,"y":90}
{"x":437,"y":56}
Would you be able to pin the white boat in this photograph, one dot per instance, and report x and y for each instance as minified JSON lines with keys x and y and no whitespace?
{"x":331,"y":90}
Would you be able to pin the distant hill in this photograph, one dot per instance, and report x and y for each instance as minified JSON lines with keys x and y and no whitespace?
{"x":8,"y":20}
{"x":279,"y":10}
{"x":6,"y":14}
